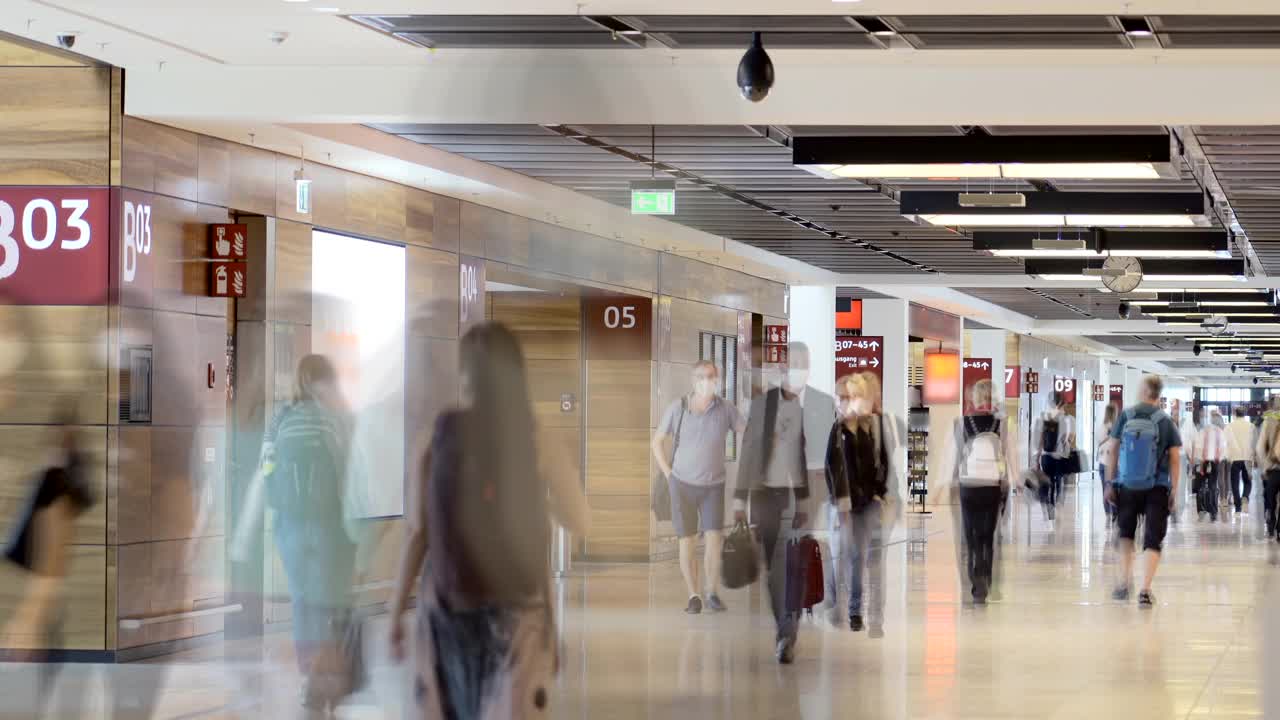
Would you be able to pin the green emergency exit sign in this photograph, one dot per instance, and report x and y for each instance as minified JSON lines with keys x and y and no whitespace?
{"x":654,"y":197}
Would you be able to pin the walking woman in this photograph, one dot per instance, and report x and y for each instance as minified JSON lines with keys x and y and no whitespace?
{"x":1108,"y":422}
{"x":484,"y":636}
{"x":857,"y":467}
{"x":985,"y":460}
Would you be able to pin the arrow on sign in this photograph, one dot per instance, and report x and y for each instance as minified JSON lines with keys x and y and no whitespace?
{"x":875,"y":345}
{"x":875,"y":362}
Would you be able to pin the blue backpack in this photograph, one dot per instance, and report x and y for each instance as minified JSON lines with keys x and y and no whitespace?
{"x":1140,"y":449}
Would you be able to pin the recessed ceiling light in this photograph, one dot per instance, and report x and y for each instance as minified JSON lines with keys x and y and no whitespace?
{"x":297,"y":1}
{"x":331,"y":10}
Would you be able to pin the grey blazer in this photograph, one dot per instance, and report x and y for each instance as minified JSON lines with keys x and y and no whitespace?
{"x":757,"y":442}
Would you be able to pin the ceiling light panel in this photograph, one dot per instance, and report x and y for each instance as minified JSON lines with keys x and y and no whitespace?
{"x":1096,"y":243}
{"x":1102,"y":157}
{"x":1055,"y":209}
{"x":1151,"y":269}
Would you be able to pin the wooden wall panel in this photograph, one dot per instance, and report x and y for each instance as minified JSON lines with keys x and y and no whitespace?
{"x":431,"y":289}
{"x":160,"y":159}
{"x":618,"y":393}
{"x":55,"y":129}
{"x":550,"y":331}
{"x":687,"y":320}
{"x":84,"y":607}
{"x":704,"y":282}
{"x":431,"y":386}
{"x":26,"y":451}
{"x":252,"y":180}
{"x":23,"y":53}
{"x":293,"y":273}
{"x":57,"y":355}
{"x":577,"y":254}
{"x":447,"y":224}
{"x":619,"y":461}
{"x":213,"y":171}
{"x":619,"y":527}
{"x":185,"y":345}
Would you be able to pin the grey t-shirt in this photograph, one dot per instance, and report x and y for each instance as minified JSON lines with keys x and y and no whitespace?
{"x":787,"y":433}
{"x":699,"y":456}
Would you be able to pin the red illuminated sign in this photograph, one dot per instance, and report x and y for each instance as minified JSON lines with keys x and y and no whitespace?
{"x":860,"y":354}
{"x":1033,"y":382}
{"x":775,"y":334}
{"x":1099,"y":393}
{"x":55,"y":245}
{"x":974,"y":370}
{"x":1013,"y":381}
{"x":848,"y":314}
{"x":1116,"y":393}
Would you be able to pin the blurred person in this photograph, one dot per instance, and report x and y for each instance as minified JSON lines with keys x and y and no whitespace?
{"x":1240,"y":444}
{"x":478,"y":534}
{"x":1211,"y":452}
{"x":1144,"y":450}
{"x":1055,"y":438}
{"x":697,"y":426}
{"x":306,"y":475}
{"x":819,"y":412}
{"x":773,"y":481}
{"x":985,"y":459}
{"x":1108,"y":422}
{"x":40,"y":544}
{"x":858,"y":468}
{"x":1268,"y":459}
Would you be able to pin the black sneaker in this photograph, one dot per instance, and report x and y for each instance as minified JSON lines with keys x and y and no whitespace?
{"x":1121,"y":593}
{"x":1145,"y":599}
{"x":855,"y":623}
{"x":714,"y":604}
{"x":695,"y":605}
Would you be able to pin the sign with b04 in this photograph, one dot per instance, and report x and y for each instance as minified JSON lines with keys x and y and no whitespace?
{"x":55,"y":245}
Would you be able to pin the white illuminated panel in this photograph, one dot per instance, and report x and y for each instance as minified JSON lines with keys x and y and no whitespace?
{"x":358,"y":321}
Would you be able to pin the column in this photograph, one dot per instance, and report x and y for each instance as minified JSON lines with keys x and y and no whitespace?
{"x":888,"y":319}
{"x":813,"y":322}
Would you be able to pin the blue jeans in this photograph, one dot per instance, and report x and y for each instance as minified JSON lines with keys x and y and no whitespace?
{"x":866,"y":552}
{"x":1110,"y":508}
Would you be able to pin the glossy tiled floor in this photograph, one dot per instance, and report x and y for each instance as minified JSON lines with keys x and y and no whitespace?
{"x":1054,"y":646}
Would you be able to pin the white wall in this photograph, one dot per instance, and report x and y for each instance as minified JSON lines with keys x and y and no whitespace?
{"x":888,"y":318}
{"x":813,"y":322}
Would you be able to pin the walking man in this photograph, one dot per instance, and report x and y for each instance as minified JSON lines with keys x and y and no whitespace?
{"x":773,"y":479}
{"x":1144,"y":449}
{"x":697,"y":425}
{"x":1240,"y":452}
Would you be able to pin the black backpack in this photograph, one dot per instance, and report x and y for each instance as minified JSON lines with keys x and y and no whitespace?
{"x":1049,"y":435}
{"x":489,"y":535}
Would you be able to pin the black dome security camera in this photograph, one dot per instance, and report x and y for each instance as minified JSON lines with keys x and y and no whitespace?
{"x":755,"y":71}
{"x":1255,"y":381}
{"x":1124,"y":309}
{"x":1196,"y":349}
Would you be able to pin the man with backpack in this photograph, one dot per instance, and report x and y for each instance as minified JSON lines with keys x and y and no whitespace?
{"x":985,"y":459}
{"x":1145,"y":450}
{"x":1055,"y":431}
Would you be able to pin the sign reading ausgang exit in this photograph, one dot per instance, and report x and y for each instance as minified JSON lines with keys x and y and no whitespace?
{"x":860,"y":354}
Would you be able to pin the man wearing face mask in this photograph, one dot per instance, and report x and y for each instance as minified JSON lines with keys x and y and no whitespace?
{"x":697,"y":426}
{"x":774,"y":472}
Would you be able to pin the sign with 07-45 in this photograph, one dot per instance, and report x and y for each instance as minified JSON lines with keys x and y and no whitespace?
{"x":860,"y":354}
{"x":54,"y":245}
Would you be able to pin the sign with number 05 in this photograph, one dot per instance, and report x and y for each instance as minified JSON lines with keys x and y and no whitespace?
{"x":54,"y":242}
{"x":619,"y":328}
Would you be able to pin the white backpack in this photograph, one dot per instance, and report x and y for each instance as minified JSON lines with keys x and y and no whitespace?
{"x":983,"y":461}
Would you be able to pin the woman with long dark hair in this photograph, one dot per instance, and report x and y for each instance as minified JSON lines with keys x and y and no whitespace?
{"x":478,"y":517}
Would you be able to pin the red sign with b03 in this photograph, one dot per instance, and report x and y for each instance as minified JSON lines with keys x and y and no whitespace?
{"x":54,"y":243}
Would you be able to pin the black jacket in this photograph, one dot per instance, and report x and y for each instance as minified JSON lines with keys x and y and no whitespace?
{"x":859,"y":485}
